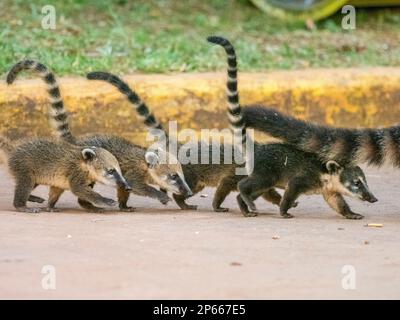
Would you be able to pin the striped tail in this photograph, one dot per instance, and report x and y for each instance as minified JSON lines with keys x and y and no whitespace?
{"x":140,"y":107}
{"x":234,"y":109}
{"x":346,"y":146}
{"x":58,"y":114}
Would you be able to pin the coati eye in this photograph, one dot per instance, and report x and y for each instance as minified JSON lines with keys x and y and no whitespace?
{"x":174,"y":176}
{"x":358,"y":183}
{"x":110,"y":171}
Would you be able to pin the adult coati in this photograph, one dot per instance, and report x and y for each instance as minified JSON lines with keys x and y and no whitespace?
{"x":346,"y":146}
{"x":283,"y":166}
{"x":141,"y":167}
{"x":62,"y":166}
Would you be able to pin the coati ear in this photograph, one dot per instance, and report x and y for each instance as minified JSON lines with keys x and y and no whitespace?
{"x":333,"y":166}
{"x":88,"y":154}
{"x":152,"y":159}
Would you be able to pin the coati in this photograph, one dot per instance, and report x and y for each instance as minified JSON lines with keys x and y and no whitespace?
{"x":197,"y":175}
{"x":223,"y":175}
{"x":283,"y":166}
{"x":140,"y":167}
{"x":345,"y":146}
{"x":62,"y":166}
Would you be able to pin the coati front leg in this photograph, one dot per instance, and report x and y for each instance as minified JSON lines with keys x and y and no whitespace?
{"x":54,"y":195}
{"x":123,"y":197}
{"x":85,"y":193}
{"x":180,"y":201}
{"x":337,"y":203}
{"x":23,"y":188}
{"x":294,"y":189}
{"x":226,"y":186}
{"x":141,"y":188}
{"x":275,"y":198}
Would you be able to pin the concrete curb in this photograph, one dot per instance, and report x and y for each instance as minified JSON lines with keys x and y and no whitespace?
{"x":343,"y":97}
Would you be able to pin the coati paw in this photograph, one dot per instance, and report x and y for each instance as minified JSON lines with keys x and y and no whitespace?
{"x":287,"y":216}
{"x":96,"y":210}
{"x":29,"y":210}
{"x":48,"y":209}
{"x":190,"y":207}
{"x":221,"y":209}
{"x":250,"y":214}
{"x":354,"y":216}
{"x":164,"y":199}
{"x":127,"y":209}
{"x":110,"y":202}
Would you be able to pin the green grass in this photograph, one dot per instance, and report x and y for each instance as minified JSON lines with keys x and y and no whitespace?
{"x":169,"y":36}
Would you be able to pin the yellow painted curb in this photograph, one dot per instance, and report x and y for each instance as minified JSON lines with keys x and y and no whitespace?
{"x":342,"y":97}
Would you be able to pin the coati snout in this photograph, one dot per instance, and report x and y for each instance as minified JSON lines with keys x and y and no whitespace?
{"x":104,"y":167}
{"x":167,"y":172}
{"x":352,"y":179}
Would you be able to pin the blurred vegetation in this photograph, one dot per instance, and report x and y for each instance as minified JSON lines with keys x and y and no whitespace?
{"x":169,"y":36}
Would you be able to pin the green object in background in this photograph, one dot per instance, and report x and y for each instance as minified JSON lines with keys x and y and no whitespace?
{"x":312,"y":9}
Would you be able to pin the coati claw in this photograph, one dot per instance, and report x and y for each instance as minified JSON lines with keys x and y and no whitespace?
{"x":295,"y":204}
{"x":287,"y":215}
{"x":48,"y":209}
{"x":354,"y":216}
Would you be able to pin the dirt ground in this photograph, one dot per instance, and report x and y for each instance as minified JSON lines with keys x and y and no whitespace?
{"x":162,"y":252}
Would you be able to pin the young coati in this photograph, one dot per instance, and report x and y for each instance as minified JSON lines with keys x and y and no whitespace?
{"x":62,"y":166}
{"x":283,"y":166}
{"x":197,"y":175}
{"x":140,"y":167}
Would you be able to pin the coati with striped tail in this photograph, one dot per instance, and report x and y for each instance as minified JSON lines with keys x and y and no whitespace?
{"x":197,"y":175}
{"x":62,"y":166}
{"x":283,"y":166}
{"x":223,"y":175}
{"x":139,"y":166}
{"x":346,"y":146}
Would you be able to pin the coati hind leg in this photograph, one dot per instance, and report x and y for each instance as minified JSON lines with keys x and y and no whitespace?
{"x":250,"y":188}
{"x":337,"y":203}
{"x":54,"y":195}
{"x":295,"y":188}
{"x":272,"y":196}
{"x":23,"y":188}
{"x":275,"y":198}
{"x":225,"y":187}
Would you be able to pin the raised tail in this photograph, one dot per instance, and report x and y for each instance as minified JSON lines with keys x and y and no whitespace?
{"x":234,"y":109}
{"x":140,"y":107}
{"x":58,"y":114}
{"x":346,"y":146}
